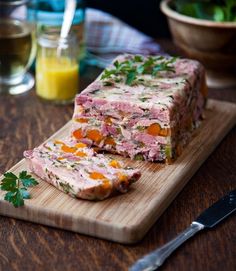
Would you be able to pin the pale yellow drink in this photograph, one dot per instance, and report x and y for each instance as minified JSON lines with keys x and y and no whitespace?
{"x":57,"y":79}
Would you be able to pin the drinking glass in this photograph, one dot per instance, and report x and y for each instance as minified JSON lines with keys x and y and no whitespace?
{"x":17,"y":46}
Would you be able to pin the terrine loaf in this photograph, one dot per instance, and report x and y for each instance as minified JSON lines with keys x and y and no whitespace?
{"x":79,"y":171}
{"x":142,"y":107}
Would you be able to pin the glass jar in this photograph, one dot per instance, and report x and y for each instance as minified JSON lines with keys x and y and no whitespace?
{"x":50,"y":14}
{"x":57,"y":68}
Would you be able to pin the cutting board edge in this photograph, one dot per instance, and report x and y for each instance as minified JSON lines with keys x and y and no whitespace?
{"x":123,"y":234}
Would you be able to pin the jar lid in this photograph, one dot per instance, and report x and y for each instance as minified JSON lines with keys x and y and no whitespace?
{"x":57,"y":5}
{"x":55,"y":18}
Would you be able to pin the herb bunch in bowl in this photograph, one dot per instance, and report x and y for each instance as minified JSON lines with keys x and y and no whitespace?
{"x":216,"y":10}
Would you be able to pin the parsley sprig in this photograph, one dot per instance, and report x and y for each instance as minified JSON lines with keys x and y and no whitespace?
{"x":129,"y":71}
{"x":16,"y":187}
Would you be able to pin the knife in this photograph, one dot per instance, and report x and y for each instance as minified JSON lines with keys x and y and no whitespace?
{"x":208,"y":219}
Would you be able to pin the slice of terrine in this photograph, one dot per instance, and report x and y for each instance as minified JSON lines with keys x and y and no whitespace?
{"x":142,"y":107}
{"x":79,"y":171}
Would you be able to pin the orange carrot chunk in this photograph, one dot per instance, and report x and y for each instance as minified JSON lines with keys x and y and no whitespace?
{"x":58,"y":142}
{"x":154,"y":129}
{"x":108,"y":120}
{"x":96,"y":175}
{"x":60,"y":158}
{"x":122,"y":177}
{"x":109,"y":141}
{"x":165,"y":132}
{"x":80,"y":153}
{"x":115,"y":164}
{"x":68,"y":149}
{"x":78,"y":134}
{"x":106,"y":185}
{"x":94,"y":135}
{"x":82,"y":120}
{"x":80,"y":145}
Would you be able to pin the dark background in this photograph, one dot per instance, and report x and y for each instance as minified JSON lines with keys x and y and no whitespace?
{"x":143,"y":15}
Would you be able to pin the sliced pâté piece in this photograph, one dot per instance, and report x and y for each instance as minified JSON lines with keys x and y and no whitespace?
{"x":79,"y":171}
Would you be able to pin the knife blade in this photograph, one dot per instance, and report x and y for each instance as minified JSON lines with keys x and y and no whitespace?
{"x":218,"y":211}
{"x":207,"y":219}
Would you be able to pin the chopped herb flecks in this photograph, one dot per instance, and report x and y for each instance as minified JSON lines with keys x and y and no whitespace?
{"x":66,"y":187}
{"x":139,"y":157}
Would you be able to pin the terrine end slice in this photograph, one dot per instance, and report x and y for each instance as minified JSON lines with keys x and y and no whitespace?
{"x":79,"y":171}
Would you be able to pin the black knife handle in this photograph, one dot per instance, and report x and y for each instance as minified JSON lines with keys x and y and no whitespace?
{"x":156,"y":258}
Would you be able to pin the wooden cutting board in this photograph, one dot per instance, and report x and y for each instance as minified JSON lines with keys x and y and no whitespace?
{"x":126,"y":218}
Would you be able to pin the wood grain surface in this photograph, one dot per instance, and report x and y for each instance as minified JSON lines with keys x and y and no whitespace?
{"x":125,"y":218}
{"x":25,"y":122}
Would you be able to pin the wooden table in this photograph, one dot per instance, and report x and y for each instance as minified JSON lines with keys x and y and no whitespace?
{"x":25,"y":122}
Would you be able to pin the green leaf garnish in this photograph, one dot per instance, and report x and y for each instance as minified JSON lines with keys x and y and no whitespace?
{"x":130,"y":71}
{"x":131,"y":76}
{"x":16,"y":187}
{"x":138,"y":58}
